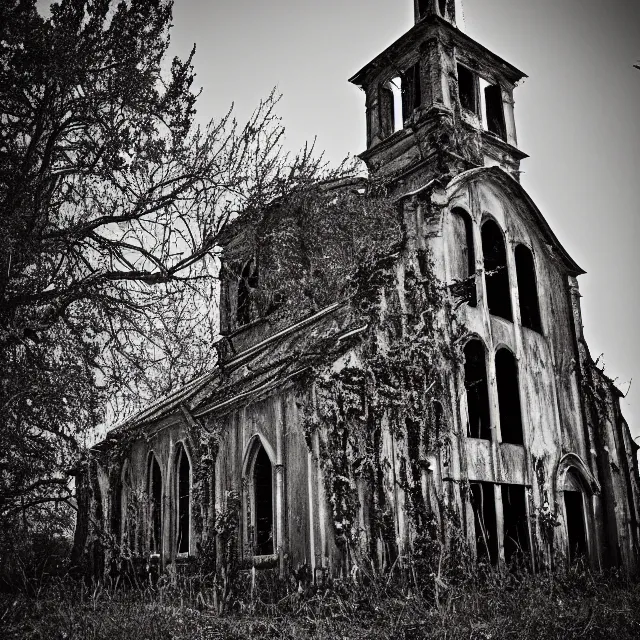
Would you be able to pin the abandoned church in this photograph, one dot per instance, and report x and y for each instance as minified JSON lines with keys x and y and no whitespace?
{"x":427,"y":386}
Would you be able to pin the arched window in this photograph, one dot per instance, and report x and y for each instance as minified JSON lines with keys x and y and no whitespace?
{"x":575,"y":516}
{"x":475,"y":382}
{"x":508,"y":397}
{"x":248,"y":282}
{"x":496,"y":272}
{"x":463,"y":258}
{"x":527,"y":289}
{"x":154,"y":495}
{"x":386,"y":111}
{"x":183,"y":500}
{"x":262,"y":511}
{"x":395,"y":85}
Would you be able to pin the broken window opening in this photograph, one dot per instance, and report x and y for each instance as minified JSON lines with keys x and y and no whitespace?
{"x":508,"y":397}
{"x":463,"y":261}
{"x":467,"y":89}
{"x":442,"y":6}
{"x":423,"y":7}
{"x":183,"y":502}
{"x":475,"y":382}
{"x":496,"y":272}
{"x":484,"y":515}
{"x":494,"y":110}
{"x":263,"y":503}
{"x":248,"y":282}
{"x":154,"y":493}
{"x":576,"y":528}
{"x":116,"y":510}
{"x":395,"y":85}
{"x":387,"y":111}
{"x":527,"y":289}
{"x":438,"y":418}
{"x":411,"y":92}
{"x":516,"y":526}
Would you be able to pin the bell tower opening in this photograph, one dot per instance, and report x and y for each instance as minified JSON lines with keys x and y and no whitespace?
{"x":451,"y":105}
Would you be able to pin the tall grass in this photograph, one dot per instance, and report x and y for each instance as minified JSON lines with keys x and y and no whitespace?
{"x":483,"y":605}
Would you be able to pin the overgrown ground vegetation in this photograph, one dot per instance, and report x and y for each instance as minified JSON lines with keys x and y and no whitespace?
{"x":573,"y":604}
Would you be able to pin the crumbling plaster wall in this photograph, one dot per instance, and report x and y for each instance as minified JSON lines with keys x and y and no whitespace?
{"x":549,"y":393}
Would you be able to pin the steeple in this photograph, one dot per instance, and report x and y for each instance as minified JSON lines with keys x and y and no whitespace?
{"x":438,"y":103}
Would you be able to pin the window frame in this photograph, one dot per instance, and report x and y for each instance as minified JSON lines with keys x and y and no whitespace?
{"x":182,"y":450}
{"x":256,"y":442}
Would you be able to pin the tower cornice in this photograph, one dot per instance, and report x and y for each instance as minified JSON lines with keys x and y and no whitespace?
{"x":433,"y":26}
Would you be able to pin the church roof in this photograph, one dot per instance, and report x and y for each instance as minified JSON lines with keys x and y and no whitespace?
{"x":253,"y":371}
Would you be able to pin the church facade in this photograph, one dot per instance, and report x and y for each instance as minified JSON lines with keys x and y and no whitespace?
{"x":311,"y":443}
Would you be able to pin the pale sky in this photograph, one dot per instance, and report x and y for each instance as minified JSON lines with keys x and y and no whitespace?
{"x":577,"y":115}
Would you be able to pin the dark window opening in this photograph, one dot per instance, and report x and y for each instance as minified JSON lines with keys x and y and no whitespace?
{"x":423,"y":7}
{"x":263,"y":497}
{"x":248,"y":282}
{"x":496,"y":272}
{"x":183,"y":469}
{"x":387,"y":110}
{"x":411,"y":93}
{"x":116,"y":510}
{"x":484,"y":514}
{"x":574,"y":509}
{"x":495,"y":110}
{"x":508,"y":397}
{"x":527,"y":289}
{"x":438,"y":419}
{"x":463,"y":258}
{"x":475,"y":382}
{"x":126,"y":488}
{"x":516,"y":527}
{"x":155,"y":505}
{"x":467,"y":89}
{"x":442,"y":6}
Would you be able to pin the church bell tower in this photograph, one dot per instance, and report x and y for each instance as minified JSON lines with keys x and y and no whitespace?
{"x":438,"y":103}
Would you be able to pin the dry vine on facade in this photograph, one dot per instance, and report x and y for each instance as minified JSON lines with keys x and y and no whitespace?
{"x":401,"y":372}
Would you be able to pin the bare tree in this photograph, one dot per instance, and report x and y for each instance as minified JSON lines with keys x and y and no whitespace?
{"x":112,"y":204}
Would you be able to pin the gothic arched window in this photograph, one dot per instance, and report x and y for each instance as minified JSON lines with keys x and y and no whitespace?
{"x":508,"y":397}
{"x":183,"y":500}
{"x":475,"y":382}
{"x":527,"y":289}
{"x":463,"y":259}
{"x":154,"y":496}
{"x":262,"y":503}
{"x":496,"y":272}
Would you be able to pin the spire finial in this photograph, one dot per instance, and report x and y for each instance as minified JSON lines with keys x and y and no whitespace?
{"x":450,"y":10}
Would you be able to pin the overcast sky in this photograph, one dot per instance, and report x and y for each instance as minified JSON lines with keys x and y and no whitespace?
{"x":577,"y":115}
